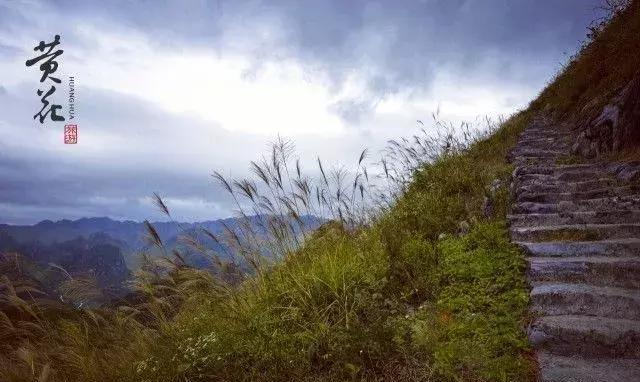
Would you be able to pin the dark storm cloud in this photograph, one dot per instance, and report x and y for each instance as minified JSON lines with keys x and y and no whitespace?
{"x":399,"y":43}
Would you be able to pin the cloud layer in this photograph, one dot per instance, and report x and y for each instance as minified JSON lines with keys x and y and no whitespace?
{"x":169,"y":91}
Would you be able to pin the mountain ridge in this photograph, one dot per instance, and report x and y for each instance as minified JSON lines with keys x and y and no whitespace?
{"x":129,"y":231}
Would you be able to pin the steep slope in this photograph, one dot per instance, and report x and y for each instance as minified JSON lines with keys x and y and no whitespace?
{"x":580,"y":226}
{"x":597,"y":96}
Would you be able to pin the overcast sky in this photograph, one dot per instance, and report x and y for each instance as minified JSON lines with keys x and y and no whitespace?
{"x":169,"y":91}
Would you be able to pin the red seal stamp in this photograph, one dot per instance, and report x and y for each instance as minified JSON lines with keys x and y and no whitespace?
{"x":70,"y":134}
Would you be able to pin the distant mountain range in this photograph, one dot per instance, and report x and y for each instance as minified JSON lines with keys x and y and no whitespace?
{"x":129,"y":234}
{"x":109,"y":249}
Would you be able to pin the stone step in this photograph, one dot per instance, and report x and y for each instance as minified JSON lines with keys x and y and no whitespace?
{"x":535,"y":152}
{"x":560,"y":138}
{"x":552,"y":141}
{"x":544,"y":133}
{"x":576,"y":232}
{"x":563,"y":146}
{"x":597,"y":204}
{"x":587,"y":336}
{"x":564,"y":176}
{"x":523,"y":136}
{"x":532,"y":159}
{"x":557,"y":368}
{"x":619,"y":272}
{"x":554,"y":299}
{"x":532,"y":150}
{"x":528,"y":161}
{"x":554,"y":197}
{"x":556,"y":143}
{"x":561,"y":186}
{"x":611,"y":248}
{"x":556,"y":169}
{"x":570,"y":218}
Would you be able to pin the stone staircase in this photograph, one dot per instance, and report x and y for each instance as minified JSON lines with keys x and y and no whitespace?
{"x":580,"y":227}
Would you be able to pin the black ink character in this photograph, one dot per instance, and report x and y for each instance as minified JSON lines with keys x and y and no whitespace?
{"x":53,"y":109}
{"x":50,"y":65}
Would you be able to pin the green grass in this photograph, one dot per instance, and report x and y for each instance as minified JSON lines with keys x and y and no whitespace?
{"x":482,"y":306}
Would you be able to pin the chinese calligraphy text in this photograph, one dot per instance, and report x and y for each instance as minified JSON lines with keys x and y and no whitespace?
{"x":48,"y":66}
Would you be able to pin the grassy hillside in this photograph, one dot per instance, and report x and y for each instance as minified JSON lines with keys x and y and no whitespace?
{"x":404,"y":297}
{"x":429,"y":290}
{"x":605,"y":64}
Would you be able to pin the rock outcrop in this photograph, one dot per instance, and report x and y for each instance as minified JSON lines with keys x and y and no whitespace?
{"x":616,"y":127}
